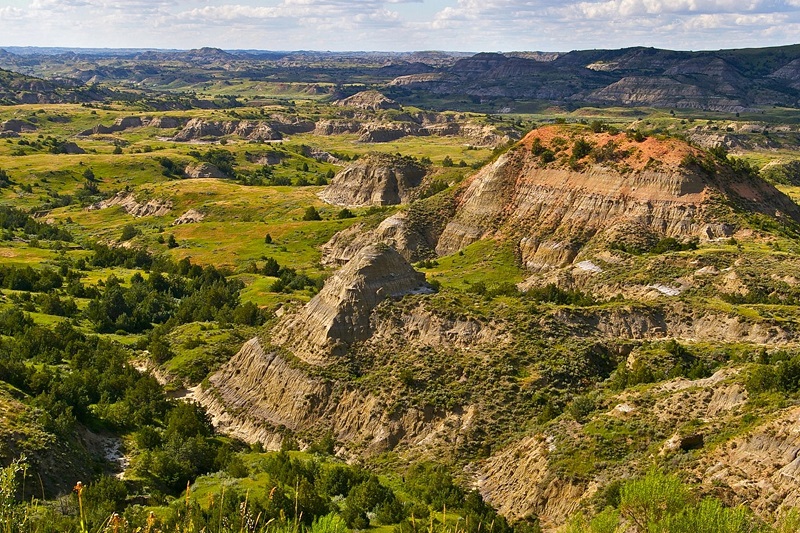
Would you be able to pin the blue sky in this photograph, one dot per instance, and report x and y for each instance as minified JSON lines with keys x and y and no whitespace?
{"x":401,"y":25}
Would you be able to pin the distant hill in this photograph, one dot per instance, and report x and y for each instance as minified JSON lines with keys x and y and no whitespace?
{"x":21,"y":89}
{"x":725,"y":80}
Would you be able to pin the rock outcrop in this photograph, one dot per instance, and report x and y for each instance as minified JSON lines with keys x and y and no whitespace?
{"x":377,"y":179}
{"x":344,"y":245}
{"x":676,"y":321}
{"x":369,"y":101}
{"x":388,"y":132}
{"x":198,"y":128}
{"x":189,"y":217}
{"x":666,"y":91}
{"x":132,"y":122}
{"x":71,"y":148}
{"x":519,"y":482}
{"x":553,"y":208}
{"x":17,"y":126}
{"x":269,"y":396}
{"x":164,"y":122}
{"x":339,"y":315}
{"x":417,"y":125}
{"x":412,"y":232}
{"x":336,"y":127}
{"x":203,"y":170}
{"x":128,"y":202}
{"x":761,"y":467}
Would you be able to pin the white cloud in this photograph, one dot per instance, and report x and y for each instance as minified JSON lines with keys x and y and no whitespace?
{"x":401,"y":24}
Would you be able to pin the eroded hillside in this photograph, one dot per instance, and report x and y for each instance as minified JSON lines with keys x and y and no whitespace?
{"x":404,"y":289}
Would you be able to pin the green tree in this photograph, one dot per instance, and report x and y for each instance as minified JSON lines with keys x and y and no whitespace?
{"x":5,"y":181}
{"x":311,"y":213}
{"x":88,"y":175}
{"x":581,"y":148}
{"x":128,"y":232}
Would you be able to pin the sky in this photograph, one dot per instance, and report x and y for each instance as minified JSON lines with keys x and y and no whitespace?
{"x":401,"y":25}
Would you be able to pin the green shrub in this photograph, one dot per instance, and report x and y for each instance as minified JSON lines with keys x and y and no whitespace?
{"x":710,"y":515}
{"x":434,"y":485}
{"x":128,"y":232}
{"x":581,"y":407}
{"x":581,"y":148}
{"x":311,"y":213}
{"x":330,"y":523}
{"x":650,"y":499}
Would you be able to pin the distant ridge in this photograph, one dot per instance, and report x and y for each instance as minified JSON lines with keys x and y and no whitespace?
{"x":733,"y":80}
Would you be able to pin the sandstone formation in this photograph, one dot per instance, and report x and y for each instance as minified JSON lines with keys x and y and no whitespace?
{"x":339,"y":315}
{"x":203,"y":170}
{"x":200,"y":129}
{"x":369,"y":101}
{"x":412,"y":232}
{"x":126,"y":123}
{"x":344,"y":245}
{"x":520,"y":483}
{"x":128,"y":202}
{"x":189,"y":217}
{"x":375,"y":180}
{"x":17,"y":126}
{"x":269,"y":396}
{"x":552,"y":211}
{"x":760,"y":467}
{"x":336,"y":127}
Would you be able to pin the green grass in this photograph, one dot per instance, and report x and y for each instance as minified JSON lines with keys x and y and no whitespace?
{"x":486,"y":261}
{"x":436,"y":148}
{"x":201,"y":347}
{"x":21,"y":254}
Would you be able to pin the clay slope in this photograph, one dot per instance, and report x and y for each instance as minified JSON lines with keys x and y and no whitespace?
{"x":412,"y":232}
{"x":258,"y":396}
{"x":127,"y":202}
{"x":649,"y":189}
{"x":377,"y":179}
{"x":339,"y":315}
{"x":761,"y":467}
{"x":524,"y":479}
{"x":126,"y":123}
{"x":724,"y":80}
{"x":254,"y":131}
{"x":369,"y":100}
{"x":18,"y":88}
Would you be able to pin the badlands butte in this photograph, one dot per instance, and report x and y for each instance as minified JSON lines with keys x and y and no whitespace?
{"x":385,"y":363}
{"x":452,"y":292}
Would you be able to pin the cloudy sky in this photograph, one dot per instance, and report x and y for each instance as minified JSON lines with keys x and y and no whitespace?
{"x":402,"y":25}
